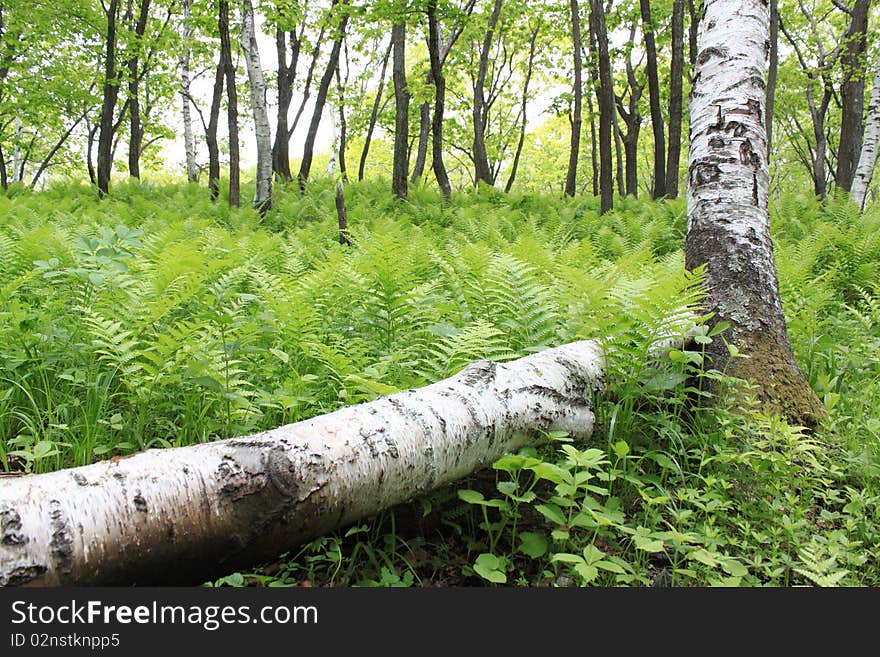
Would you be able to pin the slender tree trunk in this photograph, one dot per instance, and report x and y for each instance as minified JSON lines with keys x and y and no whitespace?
{"x":728,"y":225}
{"x":631,"y":149}
{"x":211,"y":130}
{"x":307,"y":85}
{"x":108,"y":105}
{"x":189,"y":144}
{"x":618,"y":151}
{"x":425,"y":120}
{"x":574,"y":150}
{"x":525,"y":97}
{"x":482,"y":170}
{"x":594,"y":149}
{"x":231,"y":105}
{"x":184,"y":515}
{"x":374,"y":113}
{"x":286,"y":76}
{"x":868,"y":156}
{"x":657,"y":122}
{"x":676,"y":75}
{"x":424,"y":136}
{"x":852,"y":94}
{"x":90,"y":147}
{"x":439,"y":101}
{"x":4,"y":175}
{"x":136,"y":128}
{"x":820,"y":185}
{"x":605,"y":99}
{"x":341,"y":212}
{"x":343,"y":124}
{"x":54,"y":150}
{"x":262,"y":130}
{"x":320,"y":100}
{"x":772,"y":72}
{"x":692,"y":34}
{"x":401,"y":112}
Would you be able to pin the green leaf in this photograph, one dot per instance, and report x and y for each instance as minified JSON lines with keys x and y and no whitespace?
{"x":488,"y":566}
{"x":566,"y":557}
{"x":734,"y":567}
{"x":208,"y":382}
{"x":532,"y":544}
{"x":471,"y":496}
{"x":552,"y":512}
{"x":587,"y":572}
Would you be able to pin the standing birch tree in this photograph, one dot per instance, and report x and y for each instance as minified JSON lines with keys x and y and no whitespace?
{"x":728,"y":227}
{"x":868,"y":156}
{"x":263,"y":191}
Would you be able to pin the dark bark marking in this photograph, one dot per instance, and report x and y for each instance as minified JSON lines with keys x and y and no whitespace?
{"x":710,"y":52}
{"x":61,"y":545}
{"x":703,"y":173}
{"x":281,"y":473}
{"x":140,"y":503}
{"x":479,"y":373}
{"x":10,"y":524}
{"x":24,"y":574}
{"x":80,"y":479}
{"x":717,"y":142}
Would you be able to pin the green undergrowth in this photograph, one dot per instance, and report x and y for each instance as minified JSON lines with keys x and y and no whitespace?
{"x":156,"y":318}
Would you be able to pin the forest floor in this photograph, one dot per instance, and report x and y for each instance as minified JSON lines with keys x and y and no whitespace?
{"x":156,"y":318}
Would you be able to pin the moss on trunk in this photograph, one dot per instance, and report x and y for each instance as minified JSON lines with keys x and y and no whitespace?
{"x":779,"y":383}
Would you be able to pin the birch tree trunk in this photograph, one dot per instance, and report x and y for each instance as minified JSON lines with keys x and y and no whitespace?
{"x":186,"y":514}
{"x":189,"y":144}
{"x":263,"y":191}
{"x":868,"y":155}
{"x":728,"y":228}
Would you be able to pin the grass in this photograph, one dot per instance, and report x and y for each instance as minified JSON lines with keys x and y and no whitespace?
{"x":156,"y":318}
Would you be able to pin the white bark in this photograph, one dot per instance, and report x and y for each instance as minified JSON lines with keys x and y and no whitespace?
{"x":728,"y":226}
{"x":868,"y":157}
{"x":189,"y":144}
{"x":263,"y":192}
{"x":185,"y":514}
{"x":728,"y":183}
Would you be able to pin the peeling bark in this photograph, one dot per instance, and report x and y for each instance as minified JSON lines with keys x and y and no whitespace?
{"x":728,"y":226}
{"x":186,"y":514}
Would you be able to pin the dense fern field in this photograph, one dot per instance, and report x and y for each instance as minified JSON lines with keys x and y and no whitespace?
{"x":156,"y":319}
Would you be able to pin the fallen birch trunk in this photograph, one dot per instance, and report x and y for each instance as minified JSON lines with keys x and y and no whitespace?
{"x":182,"y":515}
